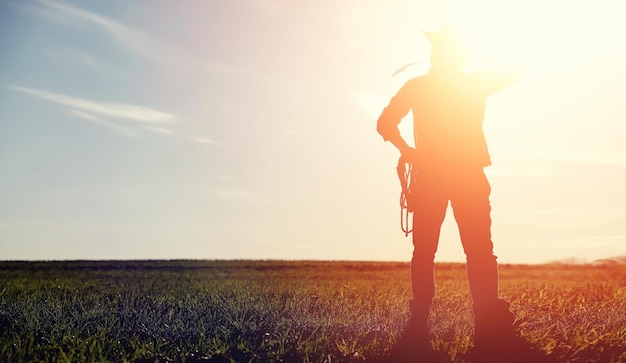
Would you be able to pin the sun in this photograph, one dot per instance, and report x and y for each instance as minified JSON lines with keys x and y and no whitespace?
{"x":533,"y":35}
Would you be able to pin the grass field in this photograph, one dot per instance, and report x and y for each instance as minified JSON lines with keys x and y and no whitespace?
{"x":290,"y":311}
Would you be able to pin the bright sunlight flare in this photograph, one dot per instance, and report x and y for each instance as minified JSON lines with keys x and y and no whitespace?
{"x":545,"y":36}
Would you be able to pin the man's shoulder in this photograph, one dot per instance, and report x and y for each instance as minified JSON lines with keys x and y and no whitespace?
{"x":419,"y":79}
{"x":416,"y":83}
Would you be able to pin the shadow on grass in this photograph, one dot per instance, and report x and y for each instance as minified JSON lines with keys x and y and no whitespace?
{"x":406,"y":350}
{"x":516,"y":351}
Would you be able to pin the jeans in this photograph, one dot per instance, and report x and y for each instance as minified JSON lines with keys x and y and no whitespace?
{"x":468,"y":192}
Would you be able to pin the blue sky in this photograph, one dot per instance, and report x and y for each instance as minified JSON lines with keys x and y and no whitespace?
{"x":246,"y":129}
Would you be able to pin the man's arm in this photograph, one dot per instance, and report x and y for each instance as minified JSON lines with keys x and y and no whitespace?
{"x":498,"y":78}
{"x":390,"y":118}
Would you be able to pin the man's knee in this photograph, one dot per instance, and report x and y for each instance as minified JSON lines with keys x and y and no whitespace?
{"x":479,"y":250}
{"x":423,"y":257}
{"x":484,"y":257}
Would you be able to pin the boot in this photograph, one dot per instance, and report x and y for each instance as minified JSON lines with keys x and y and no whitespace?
{"x":493,"y":327}
{"x":414,"y":343}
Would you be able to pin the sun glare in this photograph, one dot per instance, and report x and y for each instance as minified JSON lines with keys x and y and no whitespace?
{"x":546,"y":36}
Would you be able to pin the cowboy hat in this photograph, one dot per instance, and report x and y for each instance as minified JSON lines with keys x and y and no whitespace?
{"x":449,"y":36}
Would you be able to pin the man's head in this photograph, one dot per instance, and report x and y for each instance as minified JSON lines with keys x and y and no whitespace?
{"x":448,"y":50}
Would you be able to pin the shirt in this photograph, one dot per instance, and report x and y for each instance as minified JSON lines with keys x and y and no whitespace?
{"x":448,"y":112}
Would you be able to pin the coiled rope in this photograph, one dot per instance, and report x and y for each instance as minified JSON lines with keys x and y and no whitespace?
{"x":407,"y":178}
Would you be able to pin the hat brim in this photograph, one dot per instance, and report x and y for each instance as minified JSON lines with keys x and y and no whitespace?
{"x":447,"y":34}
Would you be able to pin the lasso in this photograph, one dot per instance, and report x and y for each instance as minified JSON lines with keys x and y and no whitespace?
{"x":407,"y":176}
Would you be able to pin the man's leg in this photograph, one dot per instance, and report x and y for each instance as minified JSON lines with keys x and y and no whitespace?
{"x":472,"y":213}
{"x":472,"y":210}
{"x":430,"y":206}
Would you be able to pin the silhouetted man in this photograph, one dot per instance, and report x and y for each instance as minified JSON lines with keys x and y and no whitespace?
{"x":448,"y":106}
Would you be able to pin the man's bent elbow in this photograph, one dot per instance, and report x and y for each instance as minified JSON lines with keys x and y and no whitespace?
{"x":382,"y":131}
{"x":385,"y":129}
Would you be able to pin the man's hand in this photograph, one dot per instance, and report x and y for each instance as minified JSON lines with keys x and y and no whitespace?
{"x":409,"y":154}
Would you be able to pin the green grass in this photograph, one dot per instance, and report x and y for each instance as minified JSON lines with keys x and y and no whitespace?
{"x":289,"y":311}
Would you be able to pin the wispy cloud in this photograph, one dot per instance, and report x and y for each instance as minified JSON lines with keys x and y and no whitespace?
{"x":159,"y":130}
{"x":129,"y":37}
{"x":100,"y":112}
{"x":111,"y":125}
{"x":204,"y":140}
{"x":114,"y":110}
{"x":78,"y":57}
{"x":139,"y":41}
